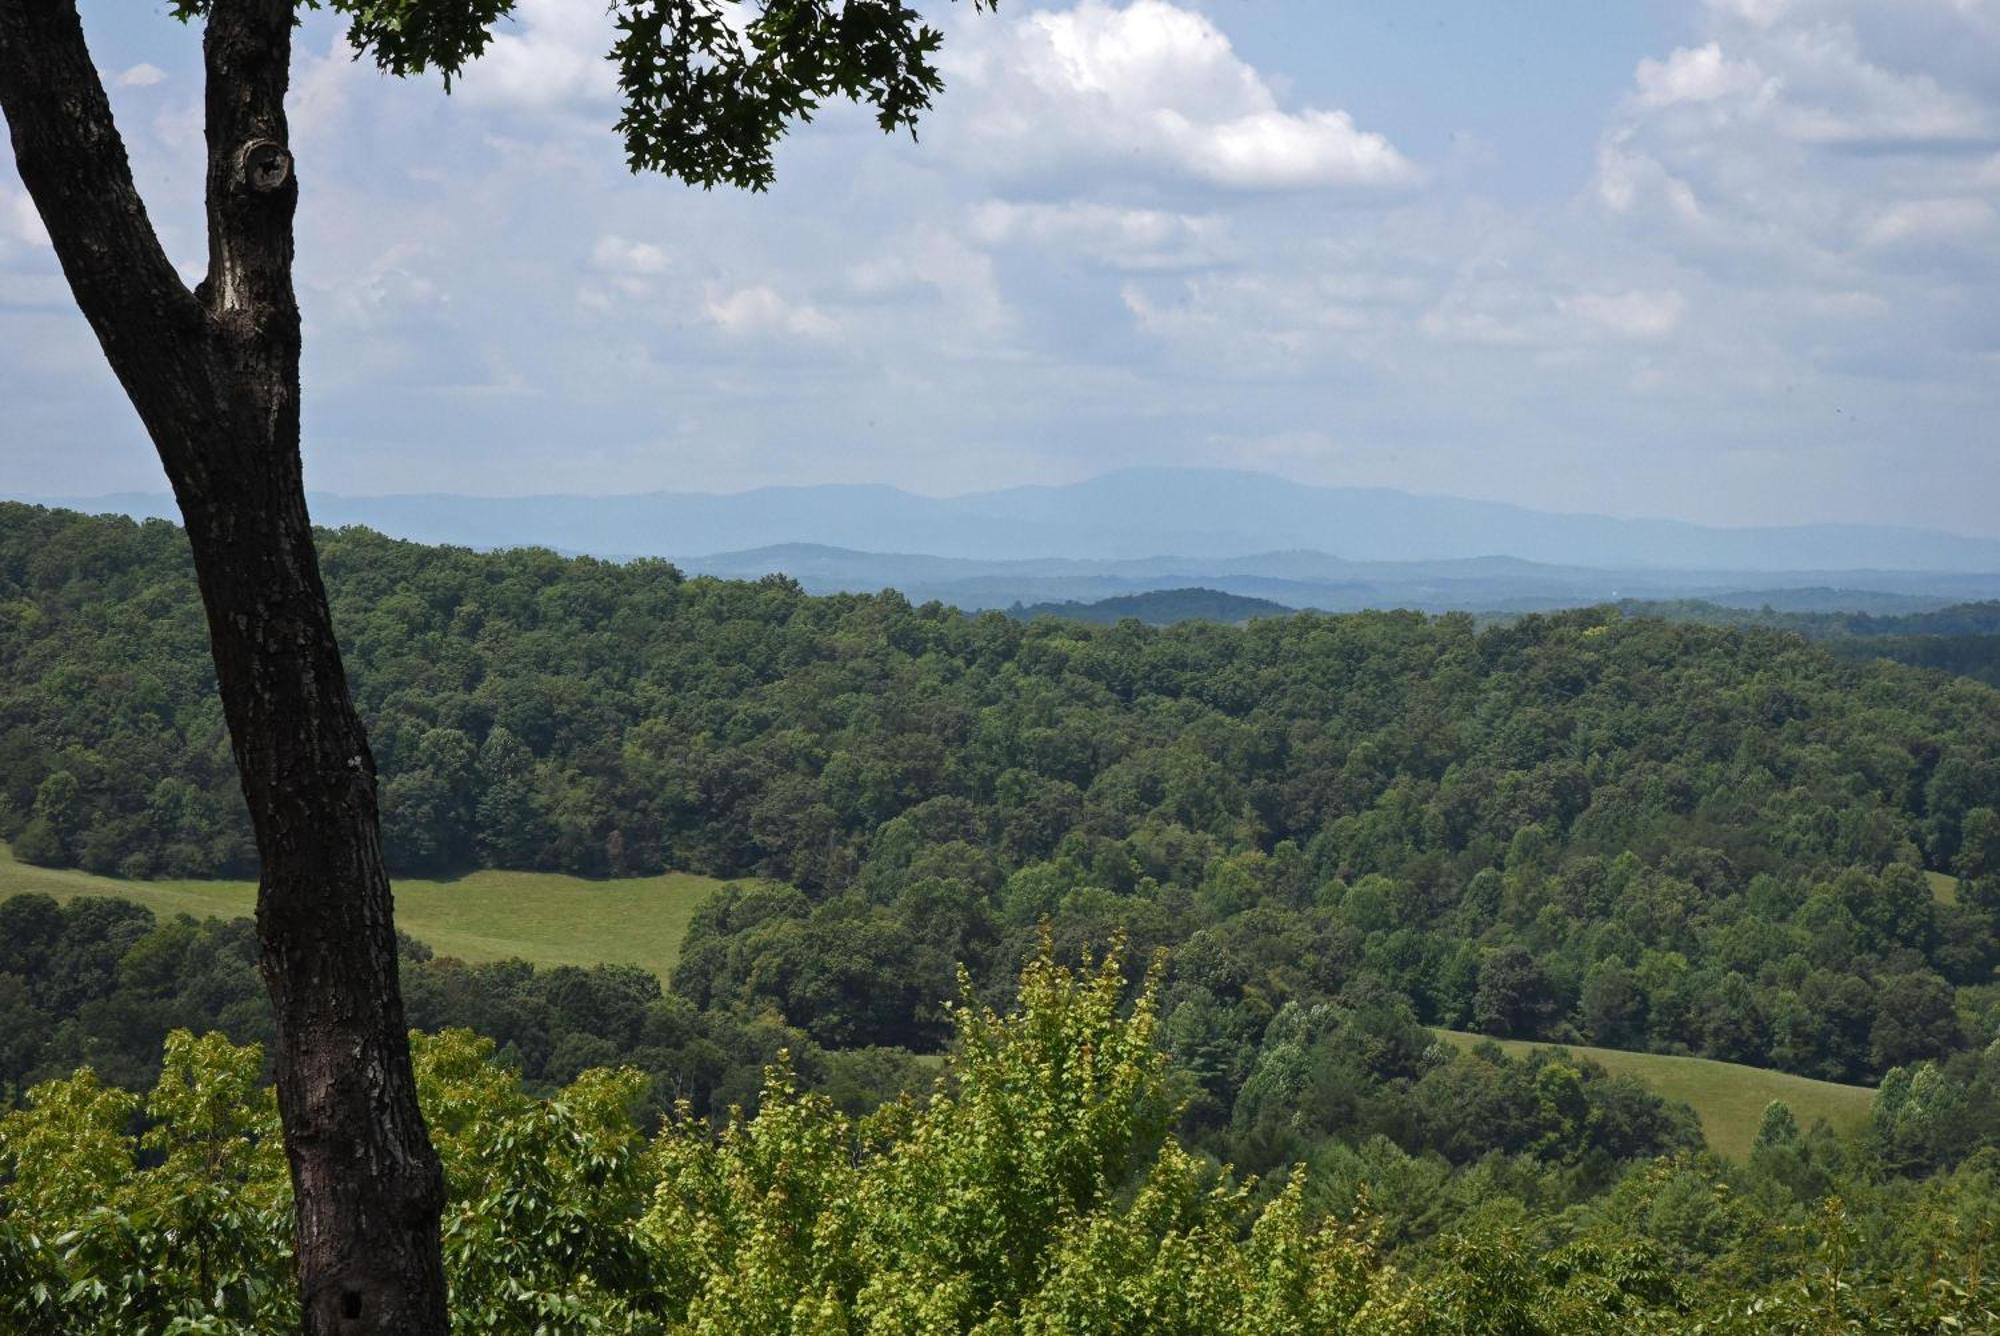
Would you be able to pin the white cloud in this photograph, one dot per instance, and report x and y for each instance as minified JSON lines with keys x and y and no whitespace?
{"x":1930,"y":220}
{"x":317,"y":104}
{"x":1697,"y":74}
{"x":1756,"y":13}
{"x":1274,"y":148}
{"x":1619,"y":176}
{"x":1453,"y":325}
{"x":619,"y":255}
{"x":142,"y":75}
{"x":1118,"y":237}
{"x":1158,"y":84}
{"x":20,"y":220}
{"x":629,"y":267}
{"x":384,"y":294}
{"x":550,"y":54}
{"x":759,"y":310}
{"x":1824,"y":122}
{"x":1256,"y":321}
{"x":1812,"y":81}
{"x":1625,"y":179}
{"x":1837,"y":95}
{"x":1495,"y":314}
{"x":1631,"y":315}
{"x":932,"y":260}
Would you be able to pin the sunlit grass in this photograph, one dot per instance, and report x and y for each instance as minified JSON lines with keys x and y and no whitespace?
{"x":1727,"y":1097}
{"x":542,"y":917}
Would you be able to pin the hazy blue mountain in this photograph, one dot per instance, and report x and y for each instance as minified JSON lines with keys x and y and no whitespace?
{"x":1333,"y":584}
{"x":1205,"y":514}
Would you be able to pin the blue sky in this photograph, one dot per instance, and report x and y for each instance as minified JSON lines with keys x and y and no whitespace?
{"x":1726,"y":260}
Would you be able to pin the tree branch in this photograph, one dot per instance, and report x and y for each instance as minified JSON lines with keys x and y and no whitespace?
{"x":73,"y":162}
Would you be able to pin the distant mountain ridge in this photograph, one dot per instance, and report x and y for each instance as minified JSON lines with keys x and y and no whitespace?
{"x":1135,"y":514}
{"x":1333,"y":584}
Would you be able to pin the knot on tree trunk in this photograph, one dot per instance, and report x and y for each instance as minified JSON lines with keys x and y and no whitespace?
{"x":262,"y":166}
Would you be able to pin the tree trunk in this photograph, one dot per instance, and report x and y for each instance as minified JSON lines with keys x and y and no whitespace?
{"x":214,"y":376}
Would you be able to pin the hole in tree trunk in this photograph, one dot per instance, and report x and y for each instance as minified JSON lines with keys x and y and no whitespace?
{"x":350,"y":1305}
{"x":263,"y":166}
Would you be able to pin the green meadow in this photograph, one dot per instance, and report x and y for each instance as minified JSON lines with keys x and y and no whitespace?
{"x":542,"y":917}
{"x":1728,"y":1098}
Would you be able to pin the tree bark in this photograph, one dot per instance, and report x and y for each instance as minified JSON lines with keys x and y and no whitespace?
{"x":214,"y":377}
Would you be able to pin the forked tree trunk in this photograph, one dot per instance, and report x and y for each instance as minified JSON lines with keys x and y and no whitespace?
{"x":214,"y":376}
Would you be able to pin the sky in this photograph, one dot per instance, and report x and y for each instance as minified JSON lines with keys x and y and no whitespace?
{"x":1732,"y":261}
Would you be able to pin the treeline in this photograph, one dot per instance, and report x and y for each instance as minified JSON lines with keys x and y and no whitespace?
{"x":1959,"y":619}
{"x":1581,"y":827}
{"x":1158,"y":607}
{"x":1963,"y":639}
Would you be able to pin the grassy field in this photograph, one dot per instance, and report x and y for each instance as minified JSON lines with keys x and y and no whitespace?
{"x":1944,"y":887}
{"x":538,"y":916}
{"x":1728,"y":1098}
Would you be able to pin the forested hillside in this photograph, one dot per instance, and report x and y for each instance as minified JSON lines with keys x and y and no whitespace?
{"x":1620,"y":831}
{"x":1585,"y":828}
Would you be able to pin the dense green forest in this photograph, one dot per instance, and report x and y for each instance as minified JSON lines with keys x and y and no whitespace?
{"x":1589,"y":827}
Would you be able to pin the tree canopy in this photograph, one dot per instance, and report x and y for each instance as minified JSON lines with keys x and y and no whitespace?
{"x":708,"y":87}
